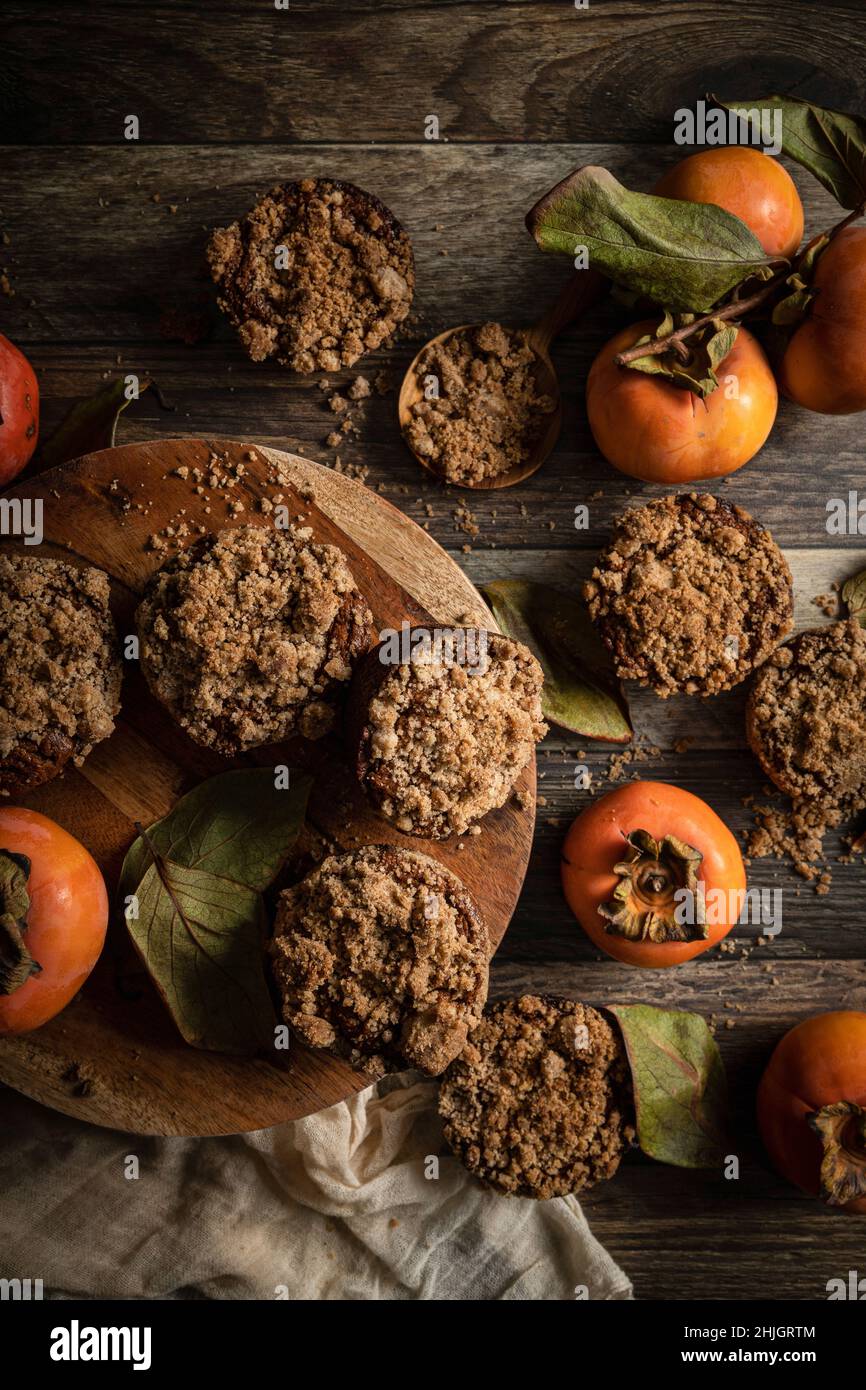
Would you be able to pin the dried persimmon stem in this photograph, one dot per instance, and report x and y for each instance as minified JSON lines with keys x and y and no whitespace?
{"x":738,"y":308}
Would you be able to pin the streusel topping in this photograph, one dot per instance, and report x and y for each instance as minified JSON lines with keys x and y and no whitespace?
{"x":445,"y":741}
{"x":247,"y":636}
{"x":807,"y":715}
{"x":380,"y":955}
{"x":539,"y":1103}
{"x":690,"y":595}
{"x":316,"y":274}
{"x":60,"y":670}
{"x":488,"y":412}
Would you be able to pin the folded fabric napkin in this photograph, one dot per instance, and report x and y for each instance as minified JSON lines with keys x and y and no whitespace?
{"x":357,"y":1202}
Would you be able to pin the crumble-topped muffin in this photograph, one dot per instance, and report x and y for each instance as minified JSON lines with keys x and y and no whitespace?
{"x":441,"y":739}
{"x":381,"y":956}
{"x":489,"y":413}
{"x":690,"y":595}
{"x":805,"y":716}
{"x":60,"y":670}
{"x":317,"y":273}
{"x":539,"y":1102}
{"x":248,"y":636}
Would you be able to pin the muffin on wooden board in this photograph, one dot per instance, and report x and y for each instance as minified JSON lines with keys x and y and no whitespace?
{"x":316,"y":274}
{"x":440,"y":740}
{"x":247,"y":637}
{"x":539,"y":1102}
{"x":60,"y":668}
{"x":806,"y":715}
{"x":381,"y":956}
{"x":690,"y":595}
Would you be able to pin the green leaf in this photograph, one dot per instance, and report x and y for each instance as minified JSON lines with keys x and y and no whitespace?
{"x":830,"y":144}
{"x":667,"y":325}
{"x":90,"y":425}
{"x":198,"y":875}
{"x":236,"y":824}
{"x":202,"y":939}
{"x":654,"y":364}
{"x":580,"y":690}
{"x":680,"y":1087}
{"x":682,"y":255}
{"x":792,"y":309}
{"x":854,"y":597}
{"x":720,"y":343}
{"x":807,"y":262}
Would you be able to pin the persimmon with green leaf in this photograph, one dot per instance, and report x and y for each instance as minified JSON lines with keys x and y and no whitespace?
{"x":678,"y":418}
{"x":812,"y":1108}
{"x":653,"y":875}
{"x":747,"y":183}
{"x":715,"y":245}
{"x":685,"y":256}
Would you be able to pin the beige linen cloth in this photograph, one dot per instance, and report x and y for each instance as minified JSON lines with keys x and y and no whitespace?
{"x":336,"y":1206}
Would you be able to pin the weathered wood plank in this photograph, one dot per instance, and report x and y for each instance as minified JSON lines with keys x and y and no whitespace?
{"x":682,"y":1235}
{"x":808,"y":460}
{"x":114,"y":275}
{"x":109,"y":263}
{"x":761,"y":999}
{"x":374,"y":71}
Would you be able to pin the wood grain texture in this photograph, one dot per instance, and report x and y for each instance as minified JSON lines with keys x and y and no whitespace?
{"x":373,"y":70}
{"x":132,"y":267}
{"x":114,"y":1057}
{"x":819,"y":457}
{"x":132,"y":272}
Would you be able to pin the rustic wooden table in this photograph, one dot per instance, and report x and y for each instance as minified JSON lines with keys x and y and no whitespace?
{"x":102,"y":243}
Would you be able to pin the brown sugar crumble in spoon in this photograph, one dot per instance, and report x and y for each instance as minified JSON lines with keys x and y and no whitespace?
{"x":481,"y":405}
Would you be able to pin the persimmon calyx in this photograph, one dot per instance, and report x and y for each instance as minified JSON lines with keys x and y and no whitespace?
{"x":658,"y":895}
{"x":841,"y":1127}
{"x":16,"y":962}
{"x":693,"y":366}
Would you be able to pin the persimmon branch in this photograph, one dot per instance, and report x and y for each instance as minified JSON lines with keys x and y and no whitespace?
{"x":737,"y":309}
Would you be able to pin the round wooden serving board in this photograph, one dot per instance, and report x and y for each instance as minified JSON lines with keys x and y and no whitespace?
{"x":114,"y":1056}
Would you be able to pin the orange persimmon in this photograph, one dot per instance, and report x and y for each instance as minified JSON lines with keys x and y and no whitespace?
{"x":812,"y":1108}
{"x":652,"y":874}
{"x":824,"y":364}
{"x":53,"y":918}
{"x":19,"y":411}
{"x":652,"y":429}
{"x":747,"y":183}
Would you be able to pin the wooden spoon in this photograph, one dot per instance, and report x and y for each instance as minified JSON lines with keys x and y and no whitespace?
{"x":580,"y":293}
